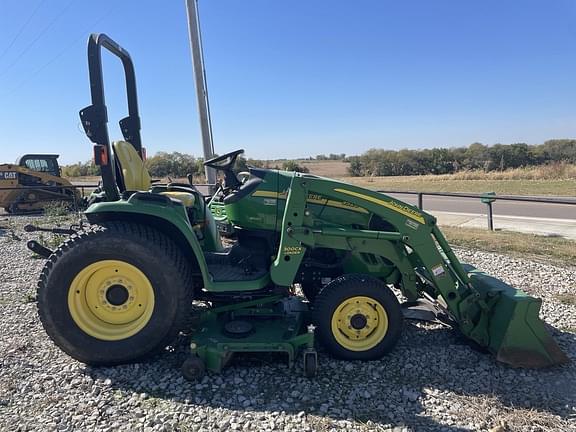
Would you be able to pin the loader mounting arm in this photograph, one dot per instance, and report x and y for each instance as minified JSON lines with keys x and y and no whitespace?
{"x":416,"y":232}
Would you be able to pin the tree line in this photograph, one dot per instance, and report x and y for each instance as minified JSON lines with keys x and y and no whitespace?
{"x":477,"y":156}
{"x":376,"y":162}
{"x":179,"y":165}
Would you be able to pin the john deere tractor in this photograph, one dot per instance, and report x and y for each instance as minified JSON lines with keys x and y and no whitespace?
{"x":122,"y":289}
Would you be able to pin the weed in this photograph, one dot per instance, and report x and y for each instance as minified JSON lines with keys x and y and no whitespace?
{"x":567,"y":299}
{"x":51,"y":242}
{"x":10,"y":230}
{"x":29,"y":298}
{"x":57,"y":208}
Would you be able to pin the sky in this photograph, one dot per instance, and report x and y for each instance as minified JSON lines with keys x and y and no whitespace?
{"x":295,"y":78}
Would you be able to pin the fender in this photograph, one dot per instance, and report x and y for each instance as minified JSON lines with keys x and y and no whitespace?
{"x":166,"y":215}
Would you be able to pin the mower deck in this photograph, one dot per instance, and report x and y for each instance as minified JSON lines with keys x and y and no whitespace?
{"x":272,"y":324}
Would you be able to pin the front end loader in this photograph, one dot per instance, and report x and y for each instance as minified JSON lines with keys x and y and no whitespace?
{"x":121,"y":289}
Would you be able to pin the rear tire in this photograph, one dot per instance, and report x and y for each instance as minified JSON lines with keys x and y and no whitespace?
{"x":118,"y":293}
{"x":357,"y":317}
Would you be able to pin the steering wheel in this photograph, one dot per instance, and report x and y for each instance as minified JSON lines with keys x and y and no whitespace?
{"x":225,"y":163}
{"x":227,"y":158}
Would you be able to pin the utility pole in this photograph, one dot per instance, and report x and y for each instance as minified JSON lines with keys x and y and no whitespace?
{"x":201,"y":88}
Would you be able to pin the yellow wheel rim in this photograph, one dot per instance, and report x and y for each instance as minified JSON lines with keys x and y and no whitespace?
{"x":359,"y":323}
{"x":111,"y":300}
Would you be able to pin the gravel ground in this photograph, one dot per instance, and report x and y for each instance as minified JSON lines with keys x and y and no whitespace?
{"x":431,"y":382}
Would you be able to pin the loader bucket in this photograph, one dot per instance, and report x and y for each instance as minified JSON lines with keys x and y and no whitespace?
{"x":517,"y":335}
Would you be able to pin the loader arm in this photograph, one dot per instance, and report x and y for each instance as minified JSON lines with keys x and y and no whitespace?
{"x":493,"y":314}
{"x":410,"y":247}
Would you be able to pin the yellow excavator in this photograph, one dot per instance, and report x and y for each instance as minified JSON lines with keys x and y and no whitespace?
{"x":33,"y":182}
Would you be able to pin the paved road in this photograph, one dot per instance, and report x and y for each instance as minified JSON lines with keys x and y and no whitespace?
{"x":503,"y":208}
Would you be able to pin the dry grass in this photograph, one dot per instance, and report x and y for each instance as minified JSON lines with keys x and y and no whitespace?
{"x":496,"y":415}
{"x":327,"y":168}
{"x":567,"y":299}
{"x":557,"y":171}
{"x":556,"y":180}
{"x":552,"y":249}
{"x":431,"y":183}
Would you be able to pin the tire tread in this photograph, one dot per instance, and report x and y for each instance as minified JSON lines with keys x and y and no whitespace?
{"x":323,"y":314}
{"x":141,"y":232}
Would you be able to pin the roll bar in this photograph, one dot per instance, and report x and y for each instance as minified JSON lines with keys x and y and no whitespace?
{"x":94,"y":117}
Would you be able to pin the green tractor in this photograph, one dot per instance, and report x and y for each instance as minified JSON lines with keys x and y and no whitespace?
{"x":122,"y":289}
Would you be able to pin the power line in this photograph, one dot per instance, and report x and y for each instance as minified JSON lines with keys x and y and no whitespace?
{"x":62,"y":52}
{"x":11,"y":44}
{"x":37,"y":38}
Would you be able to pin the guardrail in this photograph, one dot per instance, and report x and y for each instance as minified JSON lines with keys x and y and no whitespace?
{"x":486,"y":198}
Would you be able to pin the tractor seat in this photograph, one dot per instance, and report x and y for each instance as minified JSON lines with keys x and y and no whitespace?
{"x":188,"y":199}
{"x":136,"y":176}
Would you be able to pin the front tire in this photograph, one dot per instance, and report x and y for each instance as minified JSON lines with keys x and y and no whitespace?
{"x":357,"y":317}
{"x":118,"y":293}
